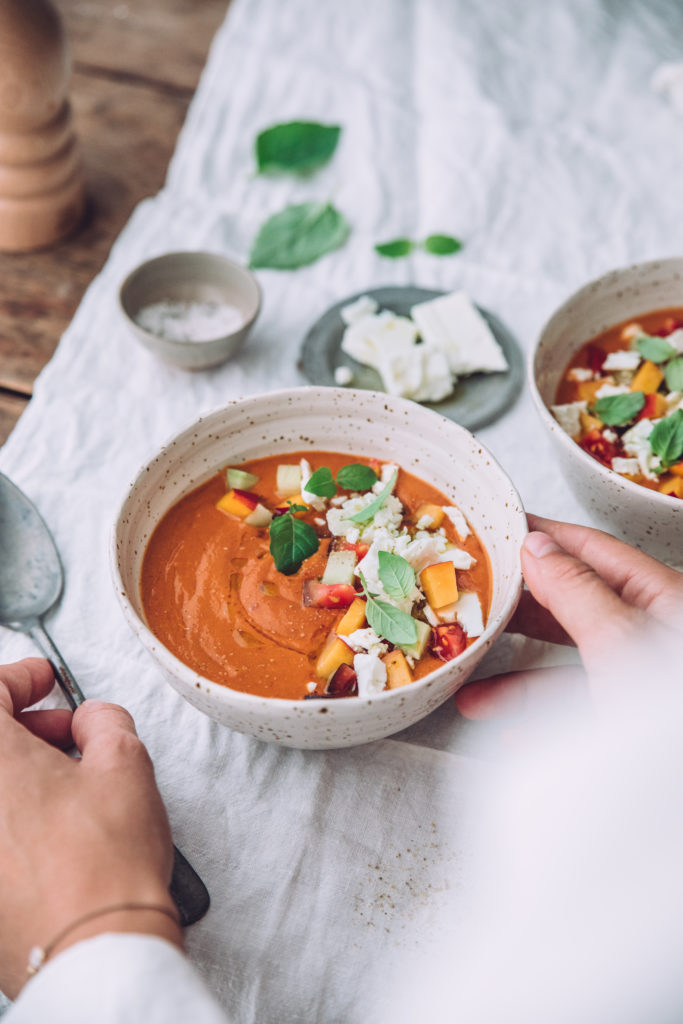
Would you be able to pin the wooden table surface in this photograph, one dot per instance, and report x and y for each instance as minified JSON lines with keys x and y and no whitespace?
{"x":135,"y":68}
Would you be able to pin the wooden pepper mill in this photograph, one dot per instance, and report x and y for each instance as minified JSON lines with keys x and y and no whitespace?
{"x":42,"y":196}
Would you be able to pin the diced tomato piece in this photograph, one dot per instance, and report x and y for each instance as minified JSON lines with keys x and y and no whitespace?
{"x":448,"y":641}
{"x":600,"y":448}
{"x":344,"y":683}
{"x":596,"y":358}
{"x":670,"y":325}
{"x":648,"y":411}
{"x":327,"y":595}
{"x":342,"y":544}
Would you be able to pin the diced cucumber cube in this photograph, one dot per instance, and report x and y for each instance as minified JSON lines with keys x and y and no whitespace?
{"x":339,"y":568}
{"x":240,"y":479}
{"x":417,"y":649}
{"x":260,"y":517}
{"x":288,"y":480}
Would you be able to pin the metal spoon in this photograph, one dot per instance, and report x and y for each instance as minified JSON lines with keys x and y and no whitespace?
{"x":31,"y":582}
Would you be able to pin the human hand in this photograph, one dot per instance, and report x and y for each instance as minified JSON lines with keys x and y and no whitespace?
{"x":619,"y":606}
{"x":76,"y":835}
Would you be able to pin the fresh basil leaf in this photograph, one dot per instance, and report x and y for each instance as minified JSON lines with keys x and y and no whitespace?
{"x":321,"y":483}
{"x":291,"y":541}
{"x":673,"y":374}
{"x":299,"y":235}
{"x":390,"y":623}
{"x":442,"y":245}
{"x":656,"y":349}
{"x":297,"y":146}
{"x":666,"y":439}
{"x":295,"y":508}
{"x":397,"y":249}
{"x":369,"y":512}
{"x":618,"y":410}
{"x":396,"y":575}
{"x":356,"y":477}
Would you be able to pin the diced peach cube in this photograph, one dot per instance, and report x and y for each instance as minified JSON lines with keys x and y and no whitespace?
{"x":587,"y":388}
{"x":677,"y":470}
{"x":353,"y":618}
{"x":238,"y":503}
{"x":589,"y":422}
{"x":672,"y":485}
{"x":398,"y":670}
{"x":435,"y":512}
{"x":439,"y":584}
{"x":648,"y":378}
{"x":334,"y":653}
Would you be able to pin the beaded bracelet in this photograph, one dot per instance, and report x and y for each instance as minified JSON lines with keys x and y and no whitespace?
{"x":39,"y":954}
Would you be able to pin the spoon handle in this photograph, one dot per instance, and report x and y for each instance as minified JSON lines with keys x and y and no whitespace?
{"x":67,"y":683}
{"x":188,"y":892}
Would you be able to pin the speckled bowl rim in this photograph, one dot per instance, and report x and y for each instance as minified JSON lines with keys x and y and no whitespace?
{"x":169,"y":662}
{"x":177,"y":344}
{"x":563,"y":437}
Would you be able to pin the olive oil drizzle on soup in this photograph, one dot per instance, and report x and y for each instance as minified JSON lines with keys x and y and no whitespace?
{"x":212,"y":595}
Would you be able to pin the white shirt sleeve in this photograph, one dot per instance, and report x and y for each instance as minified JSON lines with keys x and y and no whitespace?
{"x":117,"y":979}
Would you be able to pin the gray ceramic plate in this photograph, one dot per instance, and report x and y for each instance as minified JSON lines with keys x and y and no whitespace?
{"x":476,"y":401}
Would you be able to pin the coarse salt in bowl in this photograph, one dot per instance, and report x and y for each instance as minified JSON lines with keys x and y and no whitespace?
{"x":325,"y":419}
{"x":192,"y":309}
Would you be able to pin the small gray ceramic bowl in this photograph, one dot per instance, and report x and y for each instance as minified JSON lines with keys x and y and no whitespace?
{"x":646,"y":518}
{"x":202,"y":277}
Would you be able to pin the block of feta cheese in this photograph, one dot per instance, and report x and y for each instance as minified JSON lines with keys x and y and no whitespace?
{"x":630,"y":466}
{"x":380,"y":335}
{"x":371,"y":673}
{"x":468,"y":612}
{"x":675,"y":339}
{"x":569,"y":418}
{"x":342,"y":376}
{"x":609,"y":390}
{"x":363,"y":306}
{"x":454,"y":326}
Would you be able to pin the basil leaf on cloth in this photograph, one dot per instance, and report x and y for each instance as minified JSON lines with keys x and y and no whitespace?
{"x":656,"y":349}
{"x":291,"y":541}
{"x":368,"y":513}
{"x":396,"y":575}
{"x":618,"y":410}
{"x":442,"y":245}
{"x":673,"y":374}
{"x":298,"y":235}
{"x":397,"y":249}
{"x":390,"y":623}
{"x":297,"y":146}
{"x":356,"y":477}
{"x":321,"y":483}
{"x":666,"y":439}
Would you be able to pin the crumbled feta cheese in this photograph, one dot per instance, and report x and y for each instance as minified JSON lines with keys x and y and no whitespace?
{"x":342,"y":375}
{"x":636,"y":436}
{"x":629,"y":466}
{"x":338,"y":524}
{"x":607,"y":390}
{"x":568,"y":417}
{"x":468,"y":611}
{"x":368,"y":641}
{"x":676,"y":339}
{"x":314,"y":500}
{"x":319,"y":521}
{"x":458,"y":520}
{"x":460,"y":559}
{"x":453,"y":325}
{"x":674,"y":401}
{"x":579,"y":374}
{"x":353,"y":535}
{"x":338,"y":499}
{"x":610,"y":435}
{"x":371,"y":674}
{"x":363,"y":306}
{"x":311,"y":687}
{"x":424,"y":522}
{"x":624,"y":359}
{"x":631,"y":331}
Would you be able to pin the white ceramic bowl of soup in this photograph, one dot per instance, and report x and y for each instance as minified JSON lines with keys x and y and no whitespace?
{"x":637,"y":514}
{"x":360,"y":423}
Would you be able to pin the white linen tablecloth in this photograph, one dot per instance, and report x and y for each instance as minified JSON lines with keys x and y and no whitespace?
{"x":530,"y":130}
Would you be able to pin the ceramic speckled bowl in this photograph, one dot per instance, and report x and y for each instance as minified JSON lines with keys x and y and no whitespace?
{"x":357,"y":422}
{"x":646,"y":518}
